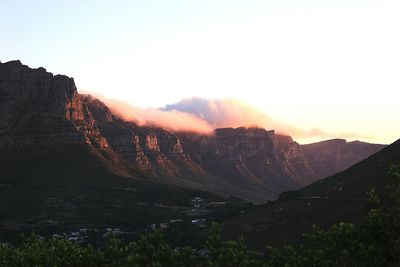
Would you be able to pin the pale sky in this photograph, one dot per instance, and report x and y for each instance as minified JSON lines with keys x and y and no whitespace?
{"x":333,"y":65}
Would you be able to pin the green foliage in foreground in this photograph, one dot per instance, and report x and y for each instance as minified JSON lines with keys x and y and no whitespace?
{"x":376,"y":242}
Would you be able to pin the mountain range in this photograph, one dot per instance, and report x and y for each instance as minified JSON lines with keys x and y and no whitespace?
{"x":69,"y":162}
{"x":43,"y":115}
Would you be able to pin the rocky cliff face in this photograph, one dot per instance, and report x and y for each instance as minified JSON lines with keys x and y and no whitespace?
{"x":252,"y":157}
{"x":38,"y":108}
{"x":294,"y":161}
{"x":44,"y":110}
{"x":333,"y":156}
{"x":145,"y":147}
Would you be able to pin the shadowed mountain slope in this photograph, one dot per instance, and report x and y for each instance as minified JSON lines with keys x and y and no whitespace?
{"x":341,"y":197}
{"x":333,"y":156}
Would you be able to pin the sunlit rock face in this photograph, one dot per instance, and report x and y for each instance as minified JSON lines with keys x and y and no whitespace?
{"x":148,"y":148}
{"x":332,"y":156}
{"x":38,"y":108}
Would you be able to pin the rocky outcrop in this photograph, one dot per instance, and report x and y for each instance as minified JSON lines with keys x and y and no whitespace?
{"x":333,"y":156}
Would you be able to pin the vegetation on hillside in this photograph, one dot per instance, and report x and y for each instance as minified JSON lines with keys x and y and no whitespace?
{"x":375,"y":242}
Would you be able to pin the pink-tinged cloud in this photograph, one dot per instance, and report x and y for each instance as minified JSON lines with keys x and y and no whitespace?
{"x":221,"y":113}
{"x":172,"y":120}
{"x":233,"y":113}
{"x":204,"y":115}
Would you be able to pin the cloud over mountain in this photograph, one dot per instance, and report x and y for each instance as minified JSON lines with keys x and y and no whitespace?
{"x":203,"y":115}
{"x":219,"y":113}
{"x":173,"y":120}
{"x":233,"y":113}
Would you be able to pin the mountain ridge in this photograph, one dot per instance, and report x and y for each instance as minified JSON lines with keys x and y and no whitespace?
{"x":40,"y":109}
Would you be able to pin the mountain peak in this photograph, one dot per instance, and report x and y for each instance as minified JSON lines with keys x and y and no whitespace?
{"x":16,"y":65}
